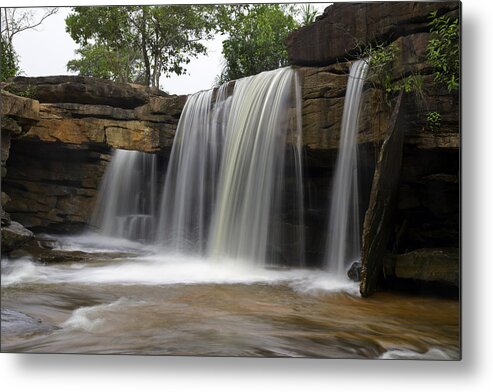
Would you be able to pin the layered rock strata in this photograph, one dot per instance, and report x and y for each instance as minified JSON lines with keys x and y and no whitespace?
{"x":57,"y":143}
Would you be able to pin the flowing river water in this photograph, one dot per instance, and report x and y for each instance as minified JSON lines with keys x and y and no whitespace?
{"x":116,"y":301}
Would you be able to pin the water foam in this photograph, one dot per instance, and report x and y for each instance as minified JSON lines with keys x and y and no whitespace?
{"x":433,"y":353}
{"x":170,"y":270}
{"x":92,"y":318}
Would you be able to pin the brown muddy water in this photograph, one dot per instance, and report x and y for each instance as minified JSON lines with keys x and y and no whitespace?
{"x":175,"y":305}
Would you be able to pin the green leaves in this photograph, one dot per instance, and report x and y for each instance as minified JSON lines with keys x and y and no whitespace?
{"x":9,"y":66}
{"x":434,"y":120}
{"x":256,"y":36}
{"x":138,"y":43}
{"x":443,"y":51}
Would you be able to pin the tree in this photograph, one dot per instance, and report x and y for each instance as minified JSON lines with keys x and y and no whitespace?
{"x":138,"y":43}
{"x":256,"y":38}
{"x":14,"y":22}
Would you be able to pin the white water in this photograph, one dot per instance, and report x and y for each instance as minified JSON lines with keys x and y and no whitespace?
{"x":432,"y":354}
{"x":126,"y":206}
{"x":251,"y":182}
{"x":190,"y":187}
{"x":169,"y":269}
{"x":343,"y":241}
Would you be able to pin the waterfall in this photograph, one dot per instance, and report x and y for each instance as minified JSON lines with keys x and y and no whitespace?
{"x":343,"y":242}
{"x":233,"y":187}
{"x":190,"y":186}
{"x":248,"y":222}
{"x":126,"y":206}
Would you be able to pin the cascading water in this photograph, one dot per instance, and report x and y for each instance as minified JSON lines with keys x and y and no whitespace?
{"x":190,"y":186}
{"x":127,"y":202}
{"x":233,"y":188}
{"x":225,"y":193}
{"x":343,"y":242}
{"x":247,"y":223}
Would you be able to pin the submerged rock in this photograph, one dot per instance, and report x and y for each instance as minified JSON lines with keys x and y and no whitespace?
{"x":15,"y":323}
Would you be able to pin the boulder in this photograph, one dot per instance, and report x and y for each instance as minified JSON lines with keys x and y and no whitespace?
{"x":14,"y":236}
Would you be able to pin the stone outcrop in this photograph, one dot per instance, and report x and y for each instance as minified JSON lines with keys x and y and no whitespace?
{"x":82,"y":90}
{"x":346,"y":27}
{"x":14,"y":236}
{"x":89,"y":111}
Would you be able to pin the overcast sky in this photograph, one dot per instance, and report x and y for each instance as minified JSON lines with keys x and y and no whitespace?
{"x":46,"y":51}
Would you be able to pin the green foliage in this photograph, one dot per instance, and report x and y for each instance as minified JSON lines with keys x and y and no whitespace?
{"x":9,"y":66}
{"x":380,"y":60}
{"x":121,"y":65}
{"x":256,"y":38}
{"x":443,"y":51}
{"x":434,"y":120}
{"x":308,"y":14}
{"x":28,"y":92}
{"x":138,"y":43}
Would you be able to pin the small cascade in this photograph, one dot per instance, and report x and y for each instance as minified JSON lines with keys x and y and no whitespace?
{"x":127,"y":202}
{"x":343,"y":242}
{"x":248,"y":223}
{"x":190,"y":186}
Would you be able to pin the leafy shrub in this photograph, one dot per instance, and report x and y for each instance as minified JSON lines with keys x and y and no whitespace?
{"x":443,"y":51}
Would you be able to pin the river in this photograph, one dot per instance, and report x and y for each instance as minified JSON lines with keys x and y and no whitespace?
{"x":129,"y":300}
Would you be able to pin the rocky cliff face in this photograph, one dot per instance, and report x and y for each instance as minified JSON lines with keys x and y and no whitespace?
{"x":426,"y":212}
{"x":56,"y":144}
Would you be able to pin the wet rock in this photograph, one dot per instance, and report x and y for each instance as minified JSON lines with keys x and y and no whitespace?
{"x":15,"y":323}
{"x":14,"y":236}
{"x":354,"y":272}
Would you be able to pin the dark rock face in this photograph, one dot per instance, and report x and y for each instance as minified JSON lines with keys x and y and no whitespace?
{"x":426,"y":265}
{"x":344,"y":27}
{"x":426,"y":195}
{"x":55,"y":185}
{"x":378,"y":218}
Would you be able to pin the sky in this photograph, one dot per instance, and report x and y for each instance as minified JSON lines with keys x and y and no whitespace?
{"x":46,"y":51}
